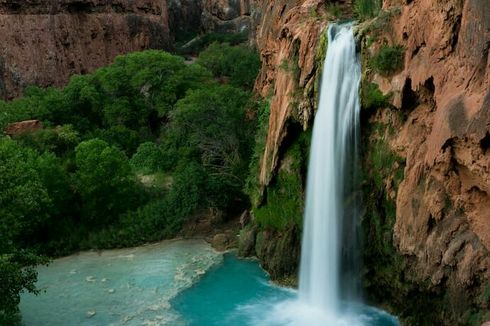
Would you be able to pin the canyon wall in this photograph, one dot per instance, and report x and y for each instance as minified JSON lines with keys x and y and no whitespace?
{"x":427,"y":221}
{"x":440,"y":116}
{"x":47,"y":41}
{"x":44,"y":42}
{"x":426,"y":153}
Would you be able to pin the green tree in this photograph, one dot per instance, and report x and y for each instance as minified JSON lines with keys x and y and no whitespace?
{"x":147,"y":159}
{"x":140,"y":84}
{"x":24,"y":200}
{"x":24,"y":207}
{"x":17,"y":274}
{"x":105,"y":182}
{"x":210,"y":126}
{"x":239,"y":63}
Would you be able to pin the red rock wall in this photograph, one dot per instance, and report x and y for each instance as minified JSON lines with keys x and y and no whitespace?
{"x":443,"y":205}
{"x":287,"y":36}
{"x":44,"y":42}
{"x":442,"y":224}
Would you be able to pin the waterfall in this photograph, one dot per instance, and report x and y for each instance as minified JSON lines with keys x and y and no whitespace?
{"x":330,"y":203}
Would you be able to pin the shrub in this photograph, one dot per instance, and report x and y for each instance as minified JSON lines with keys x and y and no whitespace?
{"x":198,"y":43}
{"x":388,"y":60}
{"x":105,"y":182}
{"x":239,"y":63}
{"x":373,"y":98}
{"x":59,"y":140}
{"x":284,"y":202}
{"x":24,"y":199}
{"x":365,"y":9}
{"x":17,"y":274}
{"x":147,"y":159}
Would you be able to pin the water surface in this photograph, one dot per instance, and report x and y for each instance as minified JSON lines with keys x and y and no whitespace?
{"x":118,"y":287}
{"x":170,"y":283}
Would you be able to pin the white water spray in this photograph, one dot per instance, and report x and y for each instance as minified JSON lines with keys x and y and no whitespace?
{"x":333,"y":151}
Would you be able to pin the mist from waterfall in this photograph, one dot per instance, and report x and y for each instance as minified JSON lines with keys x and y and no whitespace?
{"x":331,"y":206}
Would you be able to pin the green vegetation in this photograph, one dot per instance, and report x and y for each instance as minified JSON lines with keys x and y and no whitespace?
{"x":17,"y":274}
{"x":283,"y":203}
{"x":372,"y":97}
{"x":193,"y":43}
{"x":388,"y":60}
{"x":148,"y":158}
{"x":365,"y":9}
{"x":127,"y":154}
{"x":236,"y":63}
{"x":335,"y":10}
{"x":384,"y":267}
{"x":252,"y":186}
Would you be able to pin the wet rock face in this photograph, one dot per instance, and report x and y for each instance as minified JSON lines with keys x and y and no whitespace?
{"x":278,"y":251}
{"x":48,"y":41}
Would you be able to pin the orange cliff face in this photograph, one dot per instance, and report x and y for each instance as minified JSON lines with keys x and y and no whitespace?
{"x":442,"y":227}
{"x":443,"y":205}
{"x":287,"y":36}
{"x":45,"y":42}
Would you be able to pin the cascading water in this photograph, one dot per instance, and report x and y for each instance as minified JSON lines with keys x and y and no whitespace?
{"x":333,"y":155}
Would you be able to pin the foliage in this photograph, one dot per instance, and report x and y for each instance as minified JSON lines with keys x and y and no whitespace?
{"x":105,"y":182}
{"x":147,"y":158}
{"x":238,"y":63}
{"x":388,"y":60}
{"x":58,"y":140}
{"x":335,"y":10}
{"x":382,"y":159}
{"x":283,"y":205}
{"x":24,"y":199}
{"x":17,"y":274}
{"x":121,"y":137}
{"x":70,"y":185}
{"x":252,"y":186}
{"x":365,"y":9}
{"x":373,"y":98}
{"x":200,"y":42}
{"x":209,"y":126}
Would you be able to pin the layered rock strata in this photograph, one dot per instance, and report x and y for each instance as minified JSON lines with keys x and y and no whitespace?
{"x":45,"y":42}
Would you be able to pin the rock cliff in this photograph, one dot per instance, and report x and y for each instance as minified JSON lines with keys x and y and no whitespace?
{"x":441,"y":119}
{"x":428,"y":218}
{"x":48,"y":41}
{"x":426,"y":152}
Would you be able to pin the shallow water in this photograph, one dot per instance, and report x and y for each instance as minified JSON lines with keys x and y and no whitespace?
{"x":171,"y":283}
{"x":119,"y":287}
